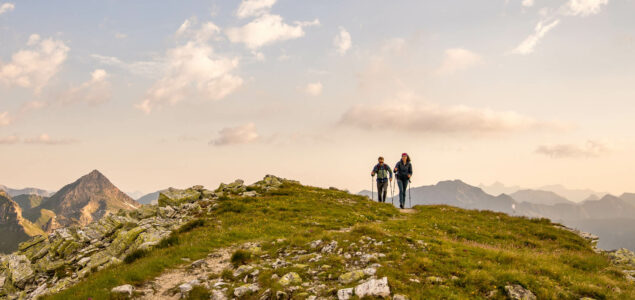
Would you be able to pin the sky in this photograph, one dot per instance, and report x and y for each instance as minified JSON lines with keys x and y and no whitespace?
{"x":176,"y":93}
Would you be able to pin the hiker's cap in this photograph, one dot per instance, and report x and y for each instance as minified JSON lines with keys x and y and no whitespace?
{"x":404,"y":154}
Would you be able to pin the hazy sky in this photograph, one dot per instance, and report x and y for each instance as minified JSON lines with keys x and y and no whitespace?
{"x":177,"y":93}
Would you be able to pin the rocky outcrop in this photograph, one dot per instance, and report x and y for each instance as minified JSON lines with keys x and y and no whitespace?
{"x":517,"y":292}
{"x":48,"y":264}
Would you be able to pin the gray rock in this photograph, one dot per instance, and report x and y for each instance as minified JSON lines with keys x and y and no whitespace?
{"x":399,"y":297}
{"x":250,"y":194}
{"x":290,"y":278}
{"x":370,"y":271}
{"x":217,"y":295}
{"x":246,"y":289}
{"x":315,"y":244}
{"x":199,"y":263}
{"x":345,"y":294}
{"x":517,"y":292}
{"x":330,"y":247}
{"x":20,"y":269}
{"x":123,"y":289}
{"x":373,"y":288}
{"x":185,"y":288}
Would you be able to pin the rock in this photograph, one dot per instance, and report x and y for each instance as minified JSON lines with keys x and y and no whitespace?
{"x":353,"y":276}
{"x":315,"y":244}
{"x":185,"y":289}
{"x":199,"y":263}
{"x":434,"y":280}
{"x":123,"y":289}
{"x":281,"y":295}
{"x":245,"y":290}
{"x":20,"y":270}
{"x":242,"y":269}
{"x":345,"y":294}
{"x":175,"y":197}
{"x":217,"y":295}
{"x":373,"y":288}
{"x":330,"y":247}
{"x":249,"y":194}
{"x":399,"y":297}
{"x":370,"y":271}
{"x":517,"y":292}
{"x":290,"y":278}
{"x":2,"y":280}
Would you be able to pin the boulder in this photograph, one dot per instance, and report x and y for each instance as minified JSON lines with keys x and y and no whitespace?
{"x":330,"y":247}
{"x":353,"y":276}
{"x":399,"y":297}
{"x":517,"y":292}
{"x":217,"y":295}
{"x":245,"y":290}
{"x":20,"y":270}
{"x":345,"y":294}
{"x":290,"y":278}
{"x":175,"y":197}
{"x":373,"y":288}
{"x":125,"y":289}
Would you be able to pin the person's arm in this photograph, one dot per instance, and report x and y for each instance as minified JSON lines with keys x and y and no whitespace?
{"x":409,"y":170}
{"x":389,"y":171}
{"x":372,"y":173}
{"x":396,"y":165}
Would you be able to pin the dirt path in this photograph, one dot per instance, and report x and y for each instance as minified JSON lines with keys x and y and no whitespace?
{"x":159,"y":287}
{"x":407,"y":211}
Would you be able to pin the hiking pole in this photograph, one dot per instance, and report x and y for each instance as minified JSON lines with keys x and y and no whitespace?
{"x":409,"y":197}
{"x":392,"y":193}
{"x":372,"y":188}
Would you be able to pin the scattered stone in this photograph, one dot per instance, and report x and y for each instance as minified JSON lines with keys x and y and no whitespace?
{"x":330,"y":247}
{"x":399,"y":297}
{"x":123,"y":289}
{"x":20,"y":269}
{"x":345,"y":294}
{"x":517,"y":292}
{"x":373,"y":288}
{"x":290,"y":278}
{"x":199,"y":263}
{"x":217,"y":295}
{"x":353,"y":276}
{"x":280,"y":295}
{"x":370,"y":271}
{"x":242,"y":269}
{"x":315,"y":244}
{"x":185,"y":288}
{"x":434,"y":280}
{"x":249,"y":194}
{"x":245,"y":290}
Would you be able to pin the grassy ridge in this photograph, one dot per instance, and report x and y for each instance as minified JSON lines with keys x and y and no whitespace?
{"x":436,"y":252}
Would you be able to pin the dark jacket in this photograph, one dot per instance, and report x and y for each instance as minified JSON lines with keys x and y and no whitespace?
{"x":403,"y":170}
{"x":385,"y":168}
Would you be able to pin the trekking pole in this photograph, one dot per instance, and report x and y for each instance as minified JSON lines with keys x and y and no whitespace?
{"x":392,"y":193}
{"x":372,"y":188}
{"x":409,"y":197}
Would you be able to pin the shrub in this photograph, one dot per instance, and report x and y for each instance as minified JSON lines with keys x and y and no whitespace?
{"x":240,"y":257}
{"x":168,"y":242}
{"x":198,"y":293}
{"x":189,"y":226}
{"x":227,"y":275}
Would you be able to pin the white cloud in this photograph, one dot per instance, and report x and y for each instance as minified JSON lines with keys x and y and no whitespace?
{"x":433,"y":118}
{"x":6,"y":7}
{"x":34,"y":67}
{"x":529,"y":44}
{"x":142,"y":68}
{"x":252,"y":8}
{"x":45,"y":139}
{"x":9,"y":140}
{"x":94,"y":91}
{"x":589,"y":149}
{"x":528,"y":3}
{"x":584,"y":7}
{"x":458,"y":59}
{"x":314,"y":89}
{"x":342,"y":41}
{"x":193,"y":70}
{"x":265,"y":30}
{"x":236,"y":135}
{"x":5,"y":119}
{"x":201,"y":34}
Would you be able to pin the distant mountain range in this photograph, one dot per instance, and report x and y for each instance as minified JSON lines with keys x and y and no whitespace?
{"x":574,"y":195}
{"x":25,"y":191}
{"x":151,"y":198}
{"x":88,"y":199}
{"x":610,"y":217}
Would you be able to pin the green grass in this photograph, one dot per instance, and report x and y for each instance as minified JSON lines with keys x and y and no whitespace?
{"x":475,"y":253}
{"x":240,"y":257}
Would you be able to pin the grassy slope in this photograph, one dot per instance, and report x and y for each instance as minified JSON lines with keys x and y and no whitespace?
{"x":483,"y":250}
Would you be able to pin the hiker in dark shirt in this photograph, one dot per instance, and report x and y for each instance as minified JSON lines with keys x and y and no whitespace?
{"x":403,"y":172}
{"x":383,"y":171}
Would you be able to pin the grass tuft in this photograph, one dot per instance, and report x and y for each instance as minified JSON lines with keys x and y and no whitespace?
{"x":240,"y":257}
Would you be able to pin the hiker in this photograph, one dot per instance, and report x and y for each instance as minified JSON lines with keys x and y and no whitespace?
{"x":403,"y":172}
{"x":382,"y":170}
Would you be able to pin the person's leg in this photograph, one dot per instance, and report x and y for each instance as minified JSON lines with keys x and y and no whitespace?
{"x":380,"y":186}
{"x":385,"y":191}
{"x":405,"y":192}
{"x":401,"y":193}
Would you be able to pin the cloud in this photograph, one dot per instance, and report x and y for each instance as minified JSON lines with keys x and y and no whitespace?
{"x":529,"y":44}
{"x":584,"y":8}
{"x":551,"y":18}
{"x":458,"y":59}
{"x":9,"y":140}
{"x":45,"y":139}
{"x":253,"y":8}
{"x":5,"y":119}
{"x":193,"y":70}
{"x":6,"y":7}
{"x":142,"y":68}
{"x":433,"y":118}
{"x":265,"y":30}
{"x":589,"y":149}
{"x":34,"y":67}
{"x":528,"y":3}
{"x":236,"y":135}
{"x":94,"y":91}
{"x":342,"y":41}
{"x":314,"y":89}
